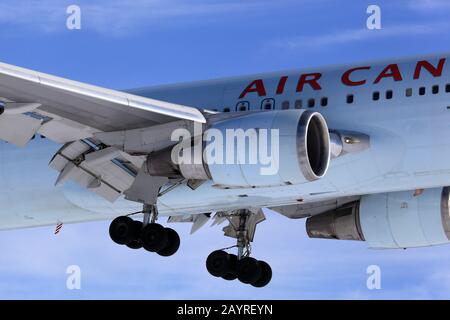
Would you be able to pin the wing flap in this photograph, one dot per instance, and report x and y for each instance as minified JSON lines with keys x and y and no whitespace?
{"x":107,"y":172}
{"x":64,"y":130}
{"x":18,"y":129}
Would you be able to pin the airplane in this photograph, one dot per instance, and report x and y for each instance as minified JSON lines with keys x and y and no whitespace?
{"x":362,"y":155}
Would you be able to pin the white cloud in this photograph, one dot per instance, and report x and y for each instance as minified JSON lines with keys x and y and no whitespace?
{"x":114,"y":17}
{"x":429,"y":4}
{"x":363,"y":34}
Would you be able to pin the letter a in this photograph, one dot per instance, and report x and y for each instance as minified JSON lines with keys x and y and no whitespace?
{"x":74,"y":20}
{"x":374,"y":20}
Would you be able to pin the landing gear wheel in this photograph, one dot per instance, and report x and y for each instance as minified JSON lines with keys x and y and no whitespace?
{"x":230,"y":277}
{"x":173,"y":243}
{"x":248,"y":270}
{"x":232,"y":264}
{"x":136,"y":243}
{"x":122,"y":230}
{"x":218,"y":263}
{"x":241,"y":266}
{"x":154,"y":237}
{"x":266,"y":275}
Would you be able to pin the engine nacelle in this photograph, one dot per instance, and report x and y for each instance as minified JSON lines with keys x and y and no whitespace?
{"x":258,"y":149}
{"x":389,"y":220}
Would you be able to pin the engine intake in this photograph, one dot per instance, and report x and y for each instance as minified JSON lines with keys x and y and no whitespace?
{"x":262,"y":149}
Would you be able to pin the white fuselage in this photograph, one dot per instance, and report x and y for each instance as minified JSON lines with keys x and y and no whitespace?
{"x":409,"y":145}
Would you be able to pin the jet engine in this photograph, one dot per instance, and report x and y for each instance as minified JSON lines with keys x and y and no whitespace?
{"x":257,"y":149}
{"x":389,"y":220}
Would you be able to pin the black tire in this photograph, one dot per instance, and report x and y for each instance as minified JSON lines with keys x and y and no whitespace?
{"x":232,"y":268}
{"x":173,"y":243}
{"x":233,"y":263}
{"x":135,"y":244}
{"x":138,"y":225}
{"x":248,"y":270}
{"x":122,"y":230}
{"x":217,"y":263}
{"x":266,"y":275}
{"x":230,"y":277}
{"x":154,"y":237}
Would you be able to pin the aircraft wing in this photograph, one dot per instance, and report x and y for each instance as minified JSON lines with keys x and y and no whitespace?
{"x":82,"y":108}
{"x":71,"y":113}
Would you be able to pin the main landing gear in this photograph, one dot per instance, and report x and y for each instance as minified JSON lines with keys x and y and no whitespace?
{"x":248,"y":270}
{"x":148,"y":234}
{"x":154,"y":237}
{"x":241,"y":266}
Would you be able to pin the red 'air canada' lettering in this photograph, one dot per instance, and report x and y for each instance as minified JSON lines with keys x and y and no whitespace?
{"x":346,"y":77}
{"x":281,"y":85}
{"x":391,"y":71}
{"x":256,"y":86}
{"x":356,"y":76}
{"x":310,"y":79}
{"x":434,"y":71}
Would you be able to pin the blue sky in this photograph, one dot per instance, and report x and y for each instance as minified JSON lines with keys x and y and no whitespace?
{"x":125,"y":44}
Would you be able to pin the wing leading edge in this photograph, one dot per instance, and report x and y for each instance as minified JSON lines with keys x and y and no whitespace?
{"x":88,"y":105}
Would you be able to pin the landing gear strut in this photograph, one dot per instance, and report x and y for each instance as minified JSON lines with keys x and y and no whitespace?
{"x":148,"y":234}
{"x":241,"y":266}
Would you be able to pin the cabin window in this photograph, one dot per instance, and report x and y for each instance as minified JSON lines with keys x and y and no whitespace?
{"x":350,"y":98}
{"x":409,"y":92}
{"x":447,"y":88}
{"x":324,"y":101}
{"x":285,"y":105}
{"x":311,"y":103}
{"x":268,"y":104}
{"x":243,"y":106}
{"x":376,"y":96}
{"x":389,"y":94}
{"x":422,"y":91}
{"x":298,"y":104}
{"x":435,"y":89}
{"x":226,"y":109}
